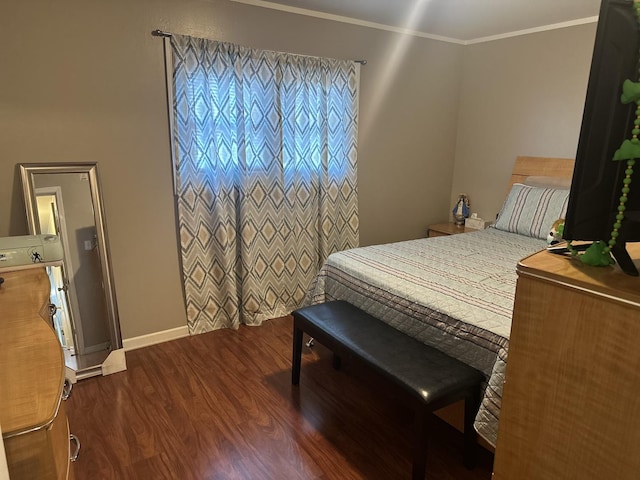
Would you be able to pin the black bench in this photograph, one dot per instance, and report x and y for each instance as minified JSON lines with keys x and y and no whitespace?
{"x":431,"y":379}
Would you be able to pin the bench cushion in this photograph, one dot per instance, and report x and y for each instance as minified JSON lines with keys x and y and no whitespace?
{"x":430,"y":376}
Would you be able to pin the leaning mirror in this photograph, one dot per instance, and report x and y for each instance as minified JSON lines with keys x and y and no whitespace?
{"x":64,"y":199}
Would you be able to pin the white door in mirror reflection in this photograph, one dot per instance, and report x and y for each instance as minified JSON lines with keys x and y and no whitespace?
{"x":82,"y":267}
{"x":61,"y":319}
{"x":51,"y":217}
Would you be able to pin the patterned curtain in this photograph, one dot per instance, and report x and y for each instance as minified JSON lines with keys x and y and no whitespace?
{"x":265,"y":154}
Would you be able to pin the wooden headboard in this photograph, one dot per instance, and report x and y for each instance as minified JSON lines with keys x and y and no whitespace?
{"x":541,"y":166}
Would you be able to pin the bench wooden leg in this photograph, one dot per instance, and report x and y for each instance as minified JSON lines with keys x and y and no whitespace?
{"x":471,"y":405}
{"x":420,"y":445}
{"x":296,"y":361}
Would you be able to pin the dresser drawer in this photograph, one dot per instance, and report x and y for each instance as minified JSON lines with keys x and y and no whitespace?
{"x":35,"y":430}
{"x":42,"y":453}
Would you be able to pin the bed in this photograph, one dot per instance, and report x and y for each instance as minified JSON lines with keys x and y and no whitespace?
{"x":456,"y":292}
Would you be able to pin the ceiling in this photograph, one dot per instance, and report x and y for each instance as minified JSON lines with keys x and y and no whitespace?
{"x":461,"y":21}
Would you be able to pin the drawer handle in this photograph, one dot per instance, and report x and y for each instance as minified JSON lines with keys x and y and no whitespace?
{"x":66,"y":389}
{"x":76,"y":440}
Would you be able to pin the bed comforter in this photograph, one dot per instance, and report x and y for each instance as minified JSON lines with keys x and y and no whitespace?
{"x":454,"y":293}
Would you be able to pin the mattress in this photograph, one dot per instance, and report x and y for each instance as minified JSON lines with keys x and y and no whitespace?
{"x":454,"y":293}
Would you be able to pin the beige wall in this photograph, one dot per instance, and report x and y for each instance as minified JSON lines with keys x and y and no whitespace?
{"x":83,"y":80}
{"x":519,"y":96}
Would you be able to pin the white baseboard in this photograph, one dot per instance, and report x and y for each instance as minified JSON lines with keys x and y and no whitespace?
{"x":154,"y":338}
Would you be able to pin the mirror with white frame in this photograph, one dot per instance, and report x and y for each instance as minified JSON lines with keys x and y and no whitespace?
{"x":64,"y":199}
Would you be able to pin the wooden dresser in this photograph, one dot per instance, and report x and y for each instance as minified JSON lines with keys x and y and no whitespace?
{"x":34,"y":424}
{"x":571,"y":403}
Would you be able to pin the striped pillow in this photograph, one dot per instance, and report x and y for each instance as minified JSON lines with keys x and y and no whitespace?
{"x":531,"y":211}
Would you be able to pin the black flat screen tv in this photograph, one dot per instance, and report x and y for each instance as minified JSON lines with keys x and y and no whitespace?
{"x":606,"y":123}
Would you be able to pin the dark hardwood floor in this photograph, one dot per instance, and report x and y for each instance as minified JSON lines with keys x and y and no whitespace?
{"x":221,"y":406}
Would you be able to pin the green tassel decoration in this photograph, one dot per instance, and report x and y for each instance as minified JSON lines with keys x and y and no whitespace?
{"x":630,"y":92}
{"x":597,"y":255}
{"x":628,"y":150}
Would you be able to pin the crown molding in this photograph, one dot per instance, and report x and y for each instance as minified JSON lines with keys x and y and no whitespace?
{"x":415,"y":33}
{"x":349,"y":20}
{"x":528,"y":31}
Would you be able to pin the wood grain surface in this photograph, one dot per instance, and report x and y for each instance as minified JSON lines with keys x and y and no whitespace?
{"x":30,"y":354}
{"x":571,"y":403}
{"x":540,"y":166}
{"x":34,"y":426}
{"x":221,"y":406}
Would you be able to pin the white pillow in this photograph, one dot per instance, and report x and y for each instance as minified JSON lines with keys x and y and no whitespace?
{"x":531,"y":211}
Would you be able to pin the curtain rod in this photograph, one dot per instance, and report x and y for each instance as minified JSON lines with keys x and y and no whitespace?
{"x":160,"y":33}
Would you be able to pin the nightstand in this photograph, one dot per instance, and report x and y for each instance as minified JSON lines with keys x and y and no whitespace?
{"x":450,"y":228}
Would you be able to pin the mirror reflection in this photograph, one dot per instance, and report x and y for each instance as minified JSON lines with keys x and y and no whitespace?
{"x":64,"y":200}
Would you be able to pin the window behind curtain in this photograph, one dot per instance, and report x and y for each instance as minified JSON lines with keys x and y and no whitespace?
{"x":265,"y":156}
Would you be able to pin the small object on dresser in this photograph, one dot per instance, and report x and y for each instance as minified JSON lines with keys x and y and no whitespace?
{"x":461,"y":209}
{"x":475,"y":222}
{"x":555,"y":232}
